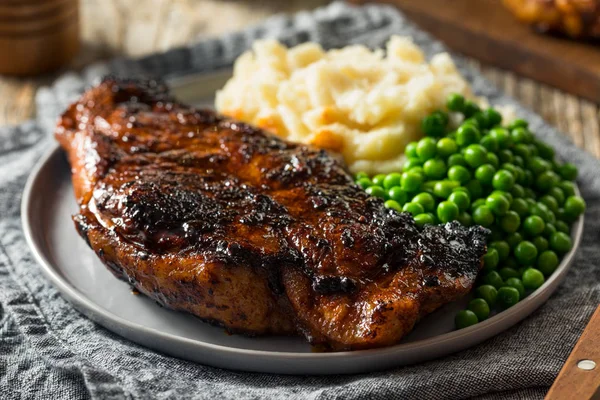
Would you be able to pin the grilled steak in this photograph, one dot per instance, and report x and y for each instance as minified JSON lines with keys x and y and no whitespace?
{"x":225,"y":221}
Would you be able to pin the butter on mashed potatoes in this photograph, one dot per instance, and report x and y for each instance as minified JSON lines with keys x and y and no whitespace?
{"x":366,"y":105}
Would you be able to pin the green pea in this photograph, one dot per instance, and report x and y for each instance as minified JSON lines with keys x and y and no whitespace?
{"x":477,"y":203}
{"x":417,"y":169}
{"x":433,"y":125}
{"x":475,"y":189}
{"x":532,"y":278}
{"x":393,"y":204}
{"x":467,"y":134}
{"x":527,"y":180}
{"x":534,"y":150}
{"x":510,"y":222}
{"x":574,"y":207}
{"x":558,"y":194}
{"x":413,"y":208}
{"x":513,"y":239}
{"x":520,"y":135}
{"x":424,"y":219}
{"x":556,"y":165}
{"x":507,"y":195}
{"x":435,"y":168}
{"x":483,"y":216}
{"x":561,"y":243}
{"x":392,"y":180}
{"x":547,"y":262}
{"x":447,"y":211}
{"x":510,"y":167}
{"x":540,"y":243}
{"x":489,"y":143}
{"x":506,"y":156}
{"x":462,"y":189}
{"x":549,"y":230}
{"x":485,"y":174}
{"x":502,"y":137}
{"x":481,"y":119}
{"x":508,"y":272}
{"x":561,"y":226}
{"x":411,"y":150}
{"x":433,"y":218}
{"x":516,"y":283}
{"x":550,"y":216}
{"x":533,"y":225}
{"x":545,"y":150}
{"x":470,"y":108}
{"x":520,"y":206}
{"x":518,"y":161}
{"x":376,"y":191}
{"x":518,"y":123}
{"x":546,"y":180}
{"x":411,"y":163}
{"x":465,"y":219}
{"x":443,"y":189}
{"x":493,"y":116}
{"x":364,"y":182}
{"x":568,"y":188}
{"x":465,"y":318}
{"x":461,"y":199}
{"x":457,"y":159}
{"x":443,"y":115}
{"x":446,"y":147}
{"x":519,"y":175}
{"x":541,"y":210}
{"x":526,"y":253}
{"x":550,"y":202}
{"x":518,"y":191}
{"x":491,"y":260}
{"x":475,"y":155}
{"x":459,"y":173}
{"x":537,"y":165}
{"x":426,"y":200}
{"x":397,"y":194}
{"x":488,"y":293}
{"x":361,"y":175}
{"x":411,"y":181}
{"x":498,"y":204}
{"x":378,"y":179}
{"x":568,"y":171}
{"x":493,"y":160}
{"x":503,"y":180}
{"x":508,"y":296}
{"x":426,"y":148}
{"x":502,"y":248}
{"x":455,"y":102}
{"x":480,"y":308}
{"x":493,"y":278}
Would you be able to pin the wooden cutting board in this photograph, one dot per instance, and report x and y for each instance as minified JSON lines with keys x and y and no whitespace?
{"x":485,"y":30}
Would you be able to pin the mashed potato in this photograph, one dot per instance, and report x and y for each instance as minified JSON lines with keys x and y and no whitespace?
{"x":366,"y":105}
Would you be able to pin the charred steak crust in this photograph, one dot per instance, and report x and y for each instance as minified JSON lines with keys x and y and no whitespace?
{"x":236,"y":226}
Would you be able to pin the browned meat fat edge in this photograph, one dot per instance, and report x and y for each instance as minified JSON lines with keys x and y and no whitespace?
{"x":240,"y":228}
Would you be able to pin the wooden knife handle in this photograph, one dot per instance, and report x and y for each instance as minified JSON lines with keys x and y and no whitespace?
{"x":579,"y":378}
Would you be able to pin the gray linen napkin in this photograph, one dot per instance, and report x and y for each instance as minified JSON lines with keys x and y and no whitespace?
{"x":49,"y":350}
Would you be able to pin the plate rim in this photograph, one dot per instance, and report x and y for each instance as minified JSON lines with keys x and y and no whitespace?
{"x":494,"y":325}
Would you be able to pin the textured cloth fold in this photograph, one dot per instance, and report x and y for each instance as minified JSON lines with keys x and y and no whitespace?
{"x":49,"y":350}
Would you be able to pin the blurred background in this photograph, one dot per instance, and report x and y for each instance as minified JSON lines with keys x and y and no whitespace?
{"x":557,"y":74}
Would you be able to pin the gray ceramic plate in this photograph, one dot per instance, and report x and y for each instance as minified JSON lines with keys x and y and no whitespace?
{"x":48,"y":204}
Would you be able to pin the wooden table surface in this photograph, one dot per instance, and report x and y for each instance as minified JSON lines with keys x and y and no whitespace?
{"x":135,"y":28}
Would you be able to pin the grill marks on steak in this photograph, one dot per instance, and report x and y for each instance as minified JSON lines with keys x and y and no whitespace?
{"x":241,"y":228}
